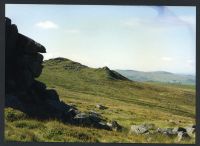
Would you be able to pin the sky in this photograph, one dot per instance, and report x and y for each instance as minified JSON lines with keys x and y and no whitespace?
{"x":143,"y":38}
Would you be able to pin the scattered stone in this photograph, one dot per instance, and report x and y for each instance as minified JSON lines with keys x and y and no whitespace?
{"x":138,"y":129}
{"x":182,"y":136}
{"x":101,"y":107}
{"x":141,"y":129}
{"x":167,"y":131}
{"x":179,"y":129}
{"x":90,"y":120}
{"x":191,"y":130}
{"x":114,"y":126}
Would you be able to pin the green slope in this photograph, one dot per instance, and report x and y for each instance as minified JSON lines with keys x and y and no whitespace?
{"x":128,"y":103}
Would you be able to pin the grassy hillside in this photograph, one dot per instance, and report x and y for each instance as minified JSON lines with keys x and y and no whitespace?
{"x":158,"y":76}
{"x":128,"y":103}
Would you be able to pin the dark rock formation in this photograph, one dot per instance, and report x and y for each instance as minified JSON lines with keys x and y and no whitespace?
{"x":23,"y":65}
{"x":23,"y":92}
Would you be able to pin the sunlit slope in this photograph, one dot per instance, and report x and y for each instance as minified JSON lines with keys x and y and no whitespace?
{"x":77,"y":81}
{"x":128,"y":102}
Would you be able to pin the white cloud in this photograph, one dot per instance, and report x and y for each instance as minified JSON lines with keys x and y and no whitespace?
{"x":47,"y":25}
{"x":72,"y":31}
{"x":166,"y":59}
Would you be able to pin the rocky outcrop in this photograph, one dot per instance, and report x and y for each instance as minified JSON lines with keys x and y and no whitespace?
{"x":179,"y":132}
{"x":23,"y":92}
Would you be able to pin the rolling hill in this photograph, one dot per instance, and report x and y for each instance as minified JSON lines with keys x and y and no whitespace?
{"x":158,"y":76}
{"x":129,"y":102}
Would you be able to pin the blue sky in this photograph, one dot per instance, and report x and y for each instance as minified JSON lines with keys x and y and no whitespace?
{"x":144,"y":38}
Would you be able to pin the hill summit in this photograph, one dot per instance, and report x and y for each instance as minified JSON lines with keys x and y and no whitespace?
{"x":69,"y":66}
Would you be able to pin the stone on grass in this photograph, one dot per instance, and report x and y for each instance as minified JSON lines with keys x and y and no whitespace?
{"x":179,"y":129}
{"x":90,"y":120}
{"x":182,"y":136}
{"x":114,"y":126}
{"x":167,"y":131}
{"x":191,"y":130}
{"x":101,"y":107}
{"x":138,"y":129}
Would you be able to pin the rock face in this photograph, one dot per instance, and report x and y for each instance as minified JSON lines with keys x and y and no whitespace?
{"x":23,"y":92}
{"x":23,"y":65}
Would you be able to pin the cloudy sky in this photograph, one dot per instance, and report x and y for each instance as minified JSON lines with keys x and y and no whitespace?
{"x":144,"y":38}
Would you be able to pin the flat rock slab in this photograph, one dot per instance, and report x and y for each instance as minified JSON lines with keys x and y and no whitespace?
{"x":90,"y":120}
{"x":138,"y":129}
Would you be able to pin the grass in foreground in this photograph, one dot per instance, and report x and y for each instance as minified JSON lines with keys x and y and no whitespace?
{"x":128,"y":103}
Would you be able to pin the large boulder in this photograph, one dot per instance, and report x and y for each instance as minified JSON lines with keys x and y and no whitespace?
{"x":91,"y":120}
{"x":139,"y":129}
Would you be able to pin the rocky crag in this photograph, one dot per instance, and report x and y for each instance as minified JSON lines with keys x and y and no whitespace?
{"x":23,"y":92}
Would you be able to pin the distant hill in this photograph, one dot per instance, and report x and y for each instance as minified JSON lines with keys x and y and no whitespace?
{"x":103,"y":73}
{"x":157,"y":76}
